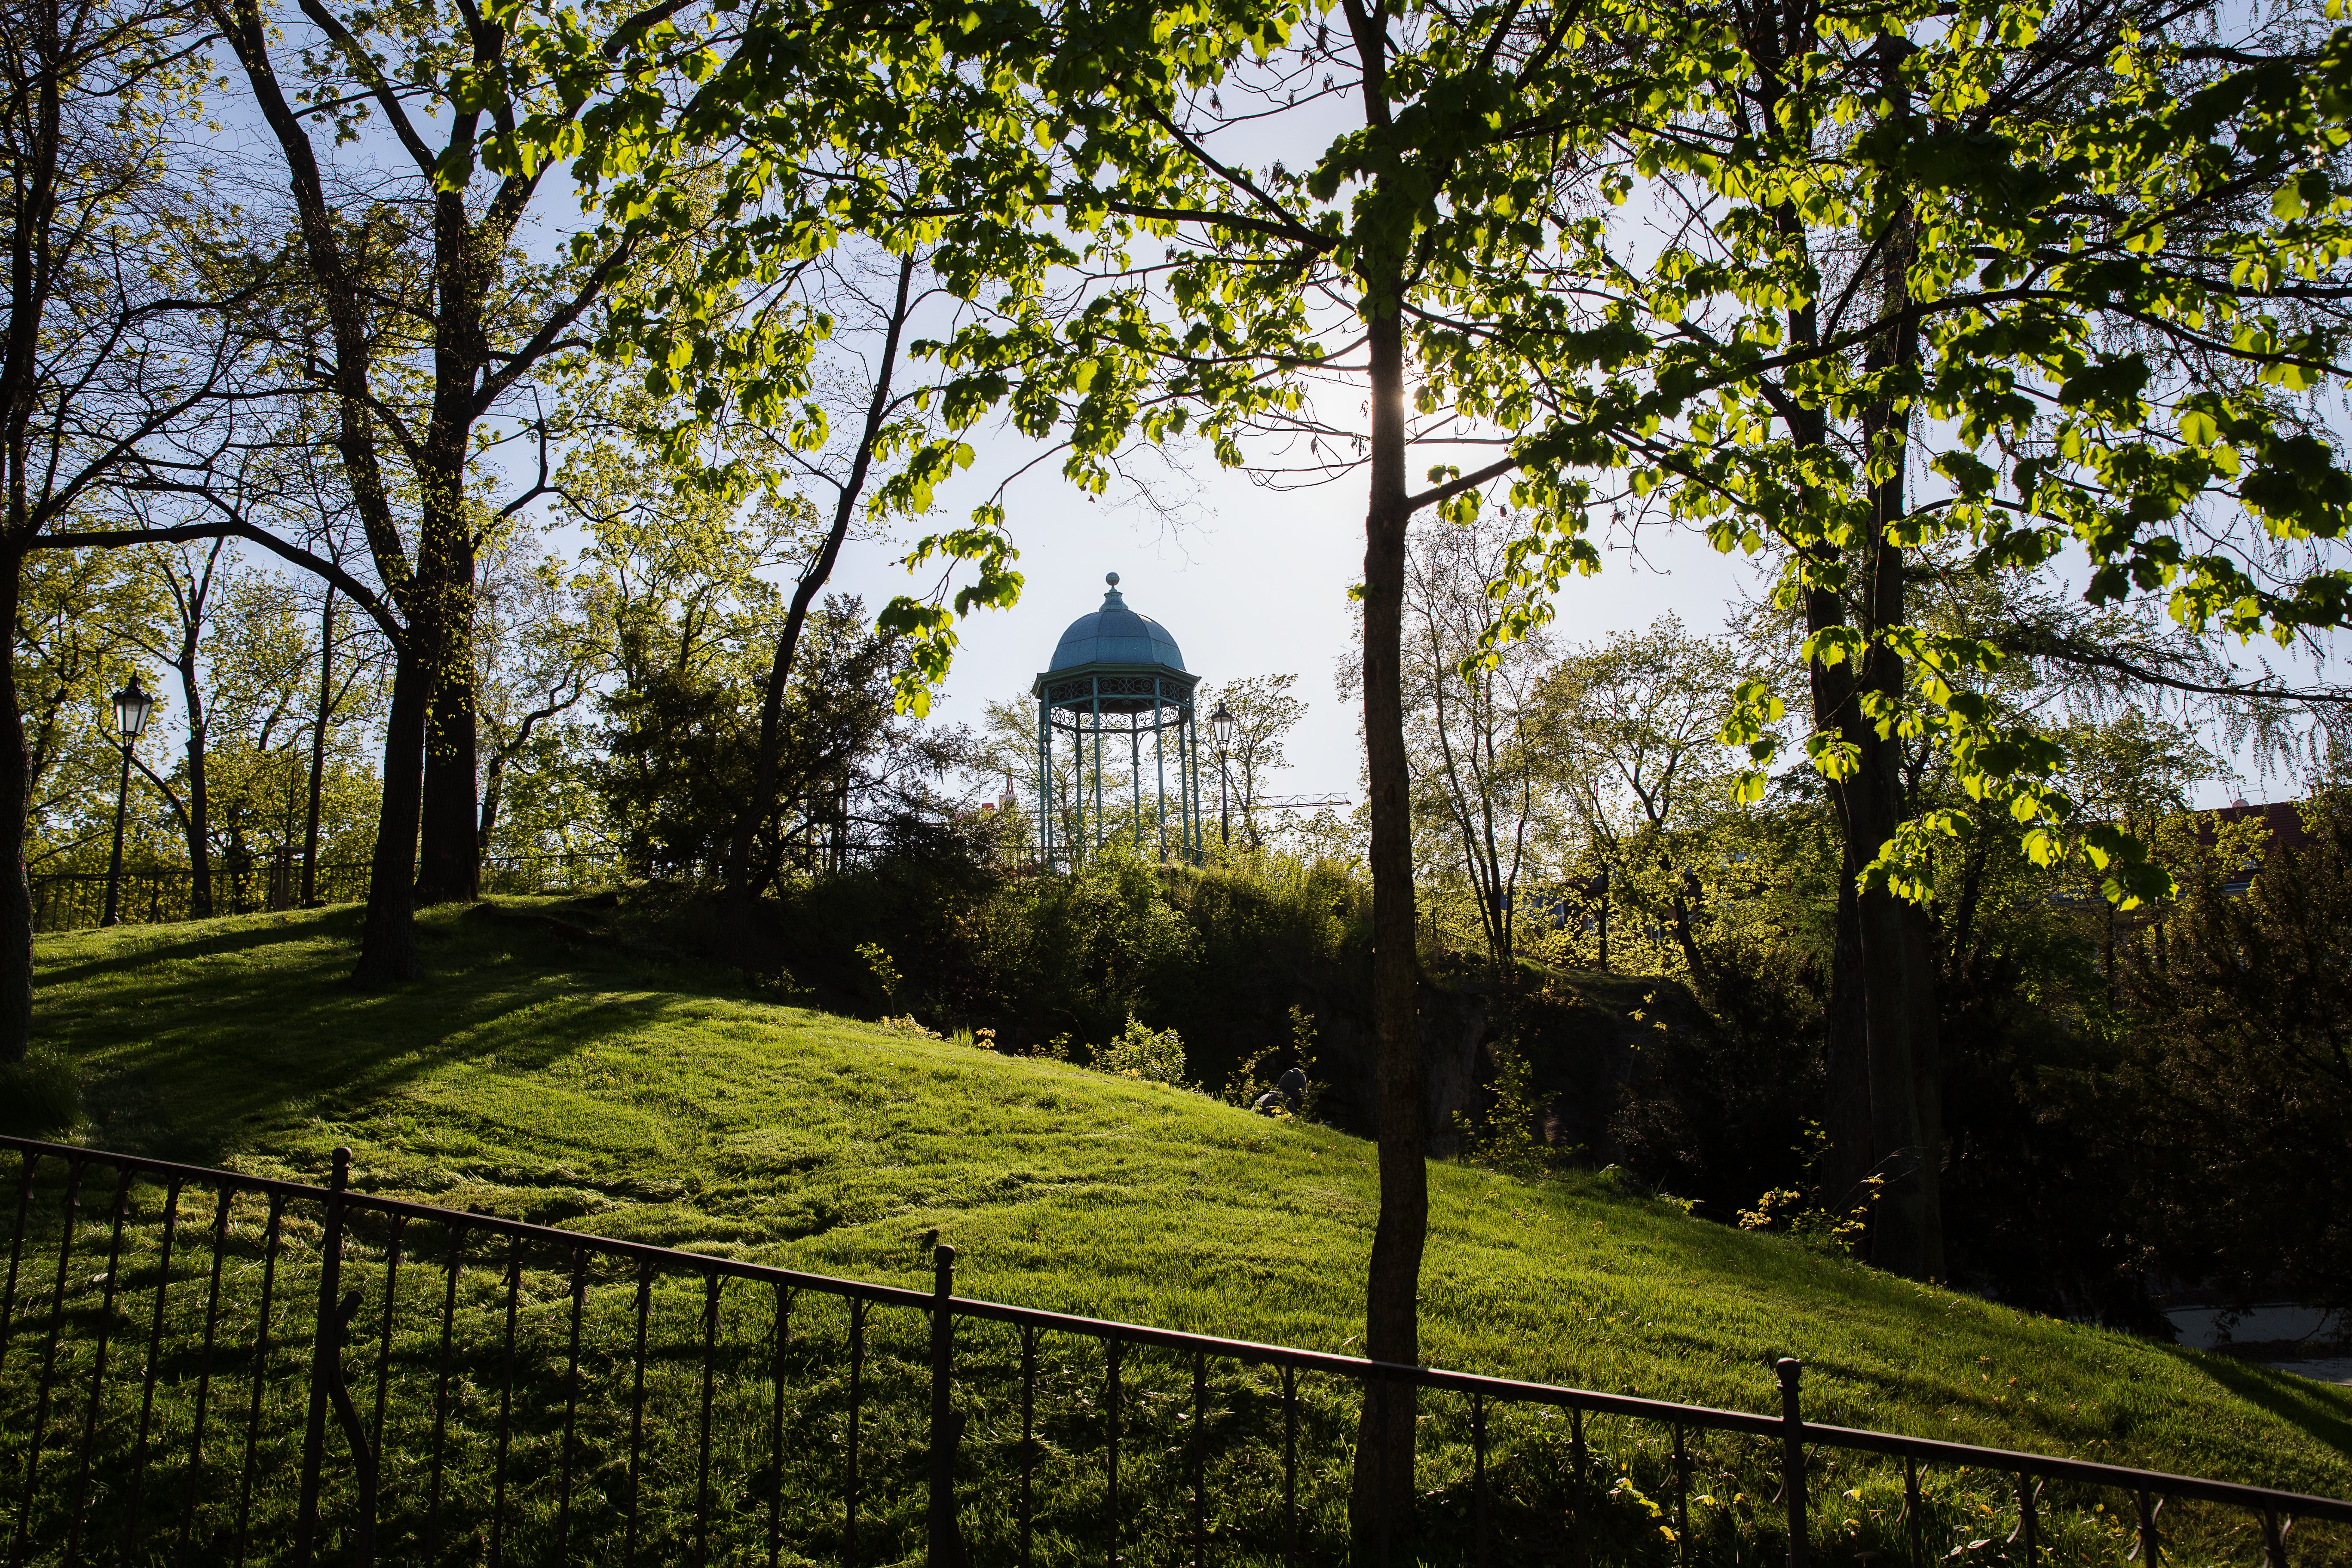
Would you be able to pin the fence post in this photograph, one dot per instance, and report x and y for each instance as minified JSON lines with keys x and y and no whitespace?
{"x":946,"y":1546}
{"x":1792,"y":1455}
{"x":325,"y":1346}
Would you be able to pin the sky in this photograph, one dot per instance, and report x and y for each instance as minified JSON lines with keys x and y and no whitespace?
{"x":1252,"y":582}
{"x":1249,"y":581}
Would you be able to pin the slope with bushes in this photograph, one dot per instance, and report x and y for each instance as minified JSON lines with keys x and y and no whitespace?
{"x":551,"y":1070}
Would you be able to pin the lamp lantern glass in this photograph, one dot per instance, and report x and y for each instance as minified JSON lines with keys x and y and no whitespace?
{"x":1222,"y":721}
{"x":132,"y":706}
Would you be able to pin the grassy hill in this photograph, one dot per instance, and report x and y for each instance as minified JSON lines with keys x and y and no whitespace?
{"x":548,"y":1071}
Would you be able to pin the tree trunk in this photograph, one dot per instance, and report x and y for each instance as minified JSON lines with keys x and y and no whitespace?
{"x":1898,"y":1234}
{"x":1855,"y":1150}
{"x":1875,"y":800}
{"x":491,"y":777}
{"x":1920,"y":970}
{"x":438,"y":653}
{"x":16,"y":789}
{"x":1684,"y":937}
{"x":1604,"y":920}
{"x":1870,"y":807}
{"x":1852,"y":1155}
{"x":448,"y":865}
{"x":1899,"y":961}
{"x":449,"y":861}
{"x":388,"y":936}
{"x":319,"y":750}
{"x":199,"y":820}
{"x":1381,"y":1505}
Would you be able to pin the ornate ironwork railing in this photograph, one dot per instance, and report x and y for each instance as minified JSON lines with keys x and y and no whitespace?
{"x":153,"y":895}
{"x":203,"y":1366}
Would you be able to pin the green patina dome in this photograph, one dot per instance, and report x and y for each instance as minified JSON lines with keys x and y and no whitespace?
{"x":1116,"y":636}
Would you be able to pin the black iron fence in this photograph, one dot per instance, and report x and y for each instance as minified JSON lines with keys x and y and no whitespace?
{"x":153,"y":895}
{"x":201,"y":1366}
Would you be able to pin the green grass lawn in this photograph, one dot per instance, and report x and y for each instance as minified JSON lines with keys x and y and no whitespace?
{"x":559,"y":1077}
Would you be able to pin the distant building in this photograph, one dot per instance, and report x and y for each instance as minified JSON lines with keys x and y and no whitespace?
{"x":2283,"y":817}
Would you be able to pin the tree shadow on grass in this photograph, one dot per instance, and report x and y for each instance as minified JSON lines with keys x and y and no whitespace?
{"x":195,"y":1064}
{"x":2322,"y":1413}
{"x":129,"y":953}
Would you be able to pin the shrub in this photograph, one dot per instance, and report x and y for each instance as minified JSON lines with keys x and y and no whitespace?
{"x":1155,"y":1055}
{"x":1504,"y":1137}
{"x":1248,"y":1081}
{"x":1220,"y":954}
{"x":887,"y":978}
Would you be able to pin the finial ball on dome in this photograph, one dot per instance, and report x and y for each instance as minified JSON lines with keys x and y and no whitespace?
{"x":1111,"y":578}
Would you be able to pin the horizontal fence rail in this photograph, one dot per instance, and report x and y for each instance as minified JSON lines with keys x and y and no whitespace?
{"x":202,"y":1366}
{"x":156,"y":894}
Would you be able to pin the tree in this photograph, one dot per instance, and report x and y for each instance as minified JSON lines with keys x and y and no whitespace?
{"x":2237,"y":1074}
{"x":187,"y":574}
{"x":844,"y":745}
{"x":888,"y":423}
{"x":1628,"y":733}
{"x":532,"y":669}
{"x":1396,"y":242}
{"x":80,"y":618}
{"x":672,"y":615}
{"x":1264,"y":712}
{"x":1006,"y":747}
{"x":1907,"y":214}
{"x":437,"y":340}
{"x":2026,"y":253}
{"x":112,"y":343}
{"x":670,"y":605}
{"x":1469,"y":721}
{"x":682,"y":738}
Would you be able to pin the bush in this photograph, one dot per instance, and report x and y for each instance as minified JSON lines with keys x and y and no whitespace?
{"x":2233,"y":1109}
{"x":40,"y":1097}
{"x":1155,"y":1055}
{"x":1222,"y":955}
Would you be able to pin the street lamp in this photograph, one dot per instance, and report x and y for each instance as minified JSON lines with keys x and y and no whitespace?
{"x":132,"y":706}
{"x":1222,"y":721}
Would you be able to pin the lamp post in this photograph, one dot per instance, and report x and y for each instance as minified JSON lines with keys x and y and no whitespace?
{"x":132,"y":706}
{"x":1222,"y":721}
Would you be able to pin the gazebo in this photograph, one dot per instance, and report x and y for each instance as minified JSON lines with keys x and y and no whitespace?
{"x":1115,"y":677}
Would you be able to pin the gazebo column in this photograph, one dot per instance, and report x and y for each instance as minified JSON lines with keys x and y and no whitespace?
{"x":1192,"y":752}
{"x":1183,"y":774}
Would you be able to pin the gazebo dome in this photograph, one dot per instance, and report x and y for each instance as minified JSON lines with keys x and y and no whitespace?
{"x":1116,"y":636}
